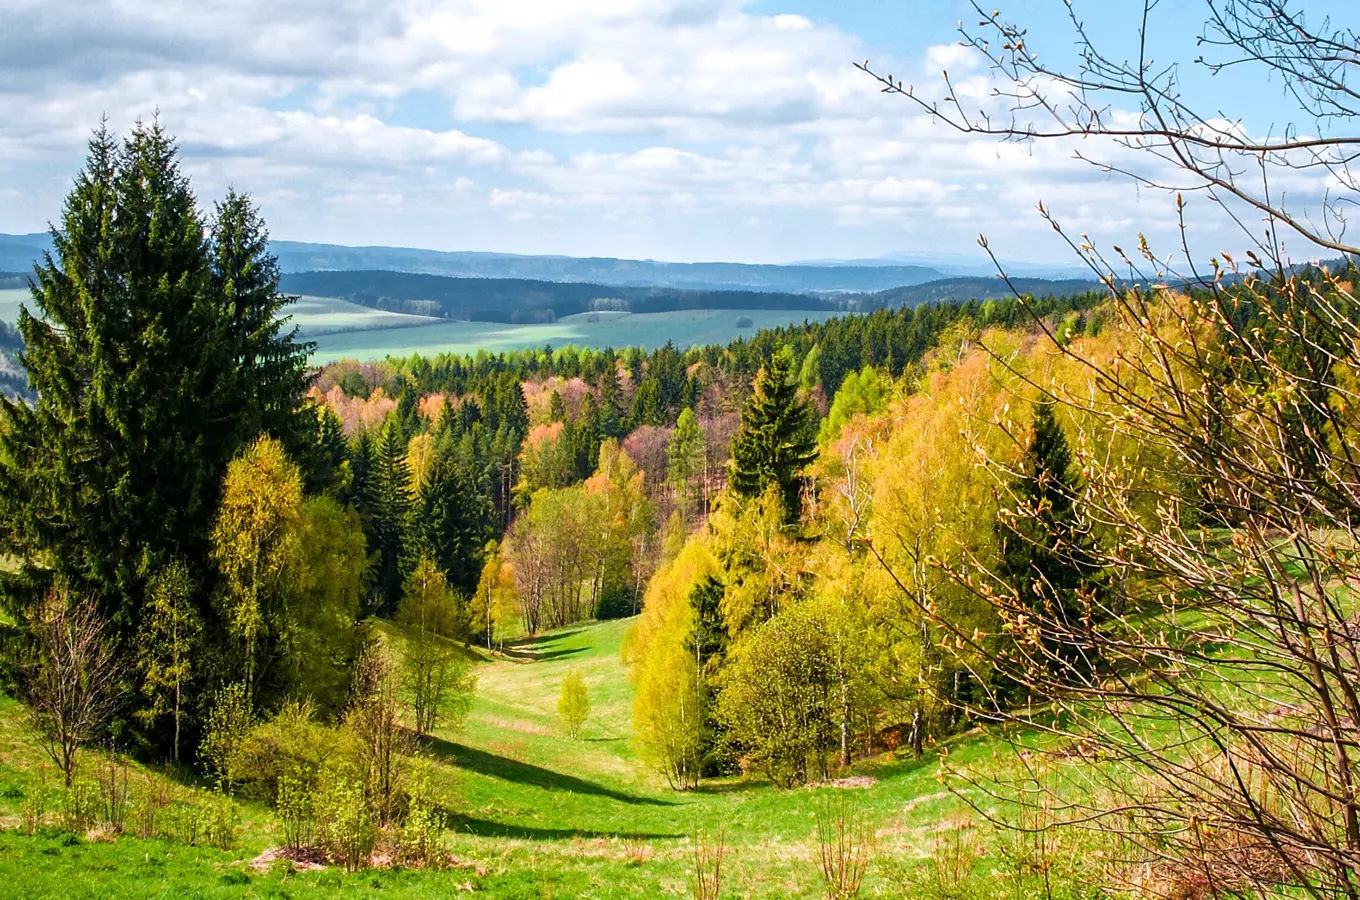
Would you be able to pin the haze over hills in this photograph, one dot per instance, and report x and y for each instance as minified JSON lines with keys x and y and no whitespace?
{"x":18,"y":253}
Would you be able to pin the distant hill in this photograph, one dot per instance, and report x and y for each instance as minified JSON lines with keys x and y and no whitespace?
{"x":18,"y":253}
{"x":525,"y":301}
{"x":300,"y":257}
{"x":517,"y":300}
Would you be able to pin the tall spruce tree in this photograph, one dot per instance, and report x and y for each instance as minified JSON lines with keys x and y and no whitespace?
{"x":774,"y":444}
{"x":452,"y":523}
{"x":156,"y":354}
{"x":1046,"y":556}
{"x":389,"y":506}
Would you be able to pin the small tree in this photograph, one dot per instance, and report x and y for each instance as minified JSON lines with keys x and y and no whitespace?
{"x":434,"y":673}
{"x":169,"y":636}
{"x":686,"y":461}
{"x":382,"y":746}
{"x":1046,"y":557}
{"x":229,"y":721}
{"x":574,"y":703}
{"x":72,"y":689}
{"x":255,"y":546}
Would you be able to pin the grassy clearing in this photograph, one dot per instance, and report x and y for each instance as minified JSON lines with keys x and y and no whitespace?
{"x":533,"y":813}
{"x":649,"y":330}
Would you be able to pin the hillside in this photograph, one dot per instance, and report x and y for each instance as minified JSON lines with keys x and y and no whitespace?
{"x":533,"y":813}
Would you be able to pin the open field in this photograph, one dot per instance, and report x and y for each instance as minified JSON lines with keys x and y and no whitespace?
{"x":342,"y":329}
{"x":649,"y":330}
{"x":329,"y":315}
{"x":533,"y":813}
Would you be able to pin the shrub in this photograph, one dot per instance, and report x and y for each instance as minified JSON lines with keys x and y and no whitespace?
{"x":422,"y":834}
{"x":33,"y":805}
{"x":845,"y":845}
{"x":574,"y":703}
{"x":292,"y":743}
{"x":80,"y":804}
{"x":111,"y":772}
{"x":229,"y":721}
{"x":296,"y":809}
{"x":344,"y":828}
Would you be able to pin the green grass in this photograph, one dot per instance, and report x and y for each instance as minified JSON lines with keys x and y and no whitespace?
{"x":649,"y":330}
{"x":328,"y":315}
{"x":542,"y":815}
{"x":342,"y":329}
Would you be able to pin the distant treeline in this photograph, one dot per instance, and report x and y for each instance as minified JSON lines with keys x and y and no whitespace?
{"x":523,"y":301}
{"x":957,"y":290}
{"x":13,"y":281}
{"x":518,"y":300}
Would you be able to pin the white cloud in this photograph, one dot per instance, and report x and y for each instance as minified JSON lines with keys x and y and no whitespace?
{"x":663,"y":128}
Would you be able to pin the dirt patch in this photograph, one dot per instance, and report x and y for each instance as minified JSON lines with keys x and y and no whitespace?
{"x":306,"y":859}
{"x":855,"y":782}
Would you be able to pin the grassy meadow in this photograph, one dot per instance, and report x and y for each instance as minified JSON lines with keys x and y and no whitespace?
{"x":342,"y":329}
{"x":648,"y":330}
{"x":532,"y":813}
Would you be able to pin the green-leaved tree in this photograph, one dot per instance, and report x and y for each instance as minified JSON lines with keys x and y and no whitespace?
{"x":774,"y":444}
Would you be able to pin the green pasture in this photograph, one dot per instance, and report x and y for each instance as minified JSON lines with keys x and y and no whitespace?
{"x":686,"y":328}
{"x":345,"y":330}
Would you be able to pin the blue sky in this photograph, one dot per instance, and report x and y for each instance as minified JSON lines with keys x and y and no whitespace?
{"x":669,"y":129}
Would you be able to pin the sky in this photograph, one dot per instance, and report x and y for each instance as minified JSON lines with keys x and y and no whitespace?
{"x":668,"y":129}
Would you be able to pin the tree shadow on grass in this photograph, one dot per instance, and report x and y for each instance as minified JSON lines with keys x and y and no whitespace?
{"x":462,"y":824}
{"x":541,"y":655}
{"x":496,"y":766}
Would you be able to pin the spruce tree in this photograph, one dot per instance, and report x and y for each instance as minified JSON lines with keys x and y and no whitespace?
{"x":452,"y":521}
{"x":1046,"y":556}
{"x":389,"y":503}
{"x":156,"y":355}
{"x":774,"y":444}
{"x":611,"y":419}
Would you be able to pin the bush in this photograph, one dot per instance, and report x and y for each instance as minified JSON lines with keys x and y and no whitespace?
{"x":574,"y":703}
{"x":296,"y":809}
{"x":422,"y":834}
{"x":745,"y":322}
{"x":205,"y":820}
{"x":229,"y":721}
{"x":615,"y":603}
{"x":80,"y":805}
{"x":291,"y":744}
{"x":33,"y":805}
{"x":344,"y":828}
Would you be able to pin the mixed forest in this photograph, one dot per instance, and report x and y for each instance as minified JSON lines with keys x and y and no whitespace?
{"x":1034,"y":597}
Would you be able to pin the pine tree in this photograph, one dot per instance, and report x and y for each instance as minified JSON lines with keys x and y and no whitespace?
{"x":611,"y":419}
{"x":1045,"y":555}
{"x":389,"y":503}
{"x":647,"y":408}
{"x":774,"y":444}
{"x":588,"y":438}
{"x":271,"y":373}
{"x":452,"y":521}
